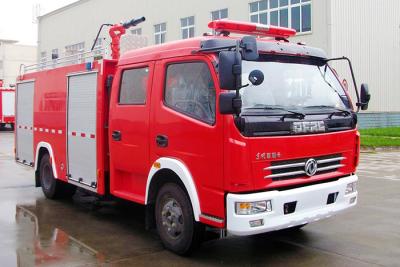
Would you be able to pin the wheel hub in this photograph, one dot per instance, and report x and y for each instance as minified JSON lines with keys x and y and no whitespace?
{"x":172,"y":219}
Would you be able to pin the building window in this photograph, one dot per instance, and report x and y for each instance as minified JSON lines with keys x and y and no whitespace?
{"x":54,"y":54}
{"x":219,"y":14}
{"x":136,"y":31}
{"x":187,"y":27}
{"x":295,"y":14}
{"x":189,"y":89}
{"x":160,"y":32}
{"x":134,"y":86}
{"x":74,"y":49}
{"x":98,"y":46}
{"x":43,"y":59}
{"x":43,"y":56}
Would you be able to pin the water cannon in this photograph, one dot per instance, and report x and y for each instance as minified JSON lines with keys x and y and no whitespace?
{"x":133,"y":22}
{"x":116,"y":31}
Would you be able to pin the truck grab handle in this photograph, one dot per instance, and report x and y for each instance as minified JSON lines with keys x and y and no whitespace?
{"x":133,"y":22}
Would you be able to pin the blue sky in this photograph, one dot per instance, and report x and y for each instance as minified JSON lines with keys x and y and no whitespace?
{"x":16,"y":18}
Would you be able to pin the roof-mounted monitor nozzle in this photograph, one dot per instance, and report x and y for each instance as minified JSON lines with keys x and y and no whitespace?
{"x":116,"y":31}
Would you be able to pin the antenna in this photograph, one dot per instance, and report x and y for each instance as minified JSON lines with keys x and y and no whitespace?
{"x":36,"y":12}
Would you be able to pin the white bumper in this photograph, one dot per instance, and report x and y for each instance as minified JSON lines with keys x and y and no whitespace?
{"x":311,"y":206}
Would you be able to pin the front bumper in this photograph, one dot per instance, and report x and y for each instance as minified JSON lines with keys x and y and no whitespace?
{"x":311,"y":205}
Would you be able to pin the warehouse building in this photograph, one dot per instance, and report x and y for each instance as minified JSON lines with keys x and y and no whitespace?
{"x":367,"y":31}
{"x":12,"y":55}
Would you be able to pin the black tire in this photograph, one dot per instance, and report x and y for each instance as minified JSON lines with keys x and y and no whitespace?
{"x":173,"y":206}
{"x":52,"y":188}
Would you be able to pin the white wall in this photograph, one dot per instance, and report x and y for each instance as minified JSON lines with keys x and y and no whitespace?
{"x":368,"y":31}
{"x":80,"y":21}
{"x":12,"y":56}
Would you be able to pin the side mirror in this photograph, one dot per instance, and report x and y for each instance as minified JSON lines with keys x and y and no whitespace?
{"x":230,"y":70}
{"x":365,"y":96}
{"x":229,"y":103}
{"x":256,"y":77}
{"x":249,"y":48}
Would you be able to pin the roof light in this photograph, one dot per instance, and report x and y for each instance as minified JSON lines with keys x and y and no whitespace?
{"x":251,"y":28}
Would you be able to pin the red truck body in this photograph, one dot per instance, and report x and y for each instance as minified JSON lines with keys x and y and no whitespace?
{"x":95,"y":141}
{"x":7,"y":107}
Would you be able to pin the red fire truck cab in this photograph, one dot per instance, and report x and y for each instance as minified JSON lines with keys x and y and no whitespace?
{"x":247,"y":135}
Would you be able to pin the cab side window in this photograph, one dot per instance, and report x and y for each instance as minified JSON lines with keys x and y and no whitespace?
{"x":134,"y":86}
{"x":189,"y":89}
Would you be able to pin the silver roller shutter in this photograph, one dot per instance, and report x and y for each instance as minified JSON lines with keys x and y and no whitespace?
{"x":82,"y":107}
{"x":24,"y":122}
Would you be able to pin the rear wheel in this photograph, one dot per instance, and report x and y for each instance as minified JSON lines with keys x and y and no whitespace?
{"x":175,"y":222}
{"x":52,"y":188}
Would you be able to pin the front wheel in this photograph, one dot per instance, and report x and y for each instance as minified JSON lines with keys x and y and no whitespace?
{"x":175,"y":222}
{"x":51,"y":187}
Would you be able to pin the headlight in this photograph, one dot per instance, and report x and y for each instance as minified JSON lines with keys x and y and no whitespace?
{"x":247,"y":208}
{"x":351,"y":188}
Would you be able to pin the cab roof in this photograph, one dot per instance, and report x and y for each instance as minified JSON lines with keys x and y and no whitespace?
{"x":191,"y":46}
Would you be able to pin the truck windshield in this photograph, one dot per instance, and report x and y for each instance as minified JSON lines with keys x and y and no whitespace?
{"x":299,"y":87}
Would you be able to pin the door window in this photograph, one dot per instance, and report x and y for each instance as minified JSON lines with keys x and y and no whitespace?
{"x":189,"y":89}
{"x":134,"y":86}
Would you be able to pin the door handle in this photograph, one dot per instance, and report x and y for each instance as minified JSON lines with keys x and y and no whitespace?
{"x":162,"y":140}
{"x":116,"y":135}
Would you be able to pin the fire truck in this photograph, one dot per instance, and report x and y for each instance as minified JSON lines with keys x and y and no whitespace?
{"x":241,"y":134}
{"x":7,"y":108}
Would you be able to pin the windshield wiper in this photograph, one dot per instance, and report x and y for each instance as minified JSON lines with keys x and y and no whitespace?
{"x":338,"y":111}
{"x":292,"y":113}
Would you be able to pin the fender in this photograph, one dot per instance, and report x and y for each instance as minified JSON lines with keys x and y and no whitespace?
{"x":49,"y":148}
{"x":184,"y":175}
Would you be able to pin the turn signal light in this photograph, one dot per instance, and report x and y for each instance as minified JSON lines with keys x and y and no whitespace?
{"x":248,"y":208}
{"x":258,"y":29}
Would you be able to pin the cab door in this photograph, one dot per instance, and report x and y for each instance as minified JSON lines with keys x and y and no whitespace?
{"x":129,"y":131}
{"x":187,"y":126}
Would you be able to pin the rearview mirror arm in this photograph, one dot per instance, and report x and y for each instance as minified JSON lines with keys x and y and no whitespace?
{"x":352,"y":76}
{"x":237,"y":71}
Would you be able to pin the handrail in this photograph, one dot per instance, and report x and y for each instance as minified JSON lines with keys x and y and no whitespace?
{"x":53,"y":63}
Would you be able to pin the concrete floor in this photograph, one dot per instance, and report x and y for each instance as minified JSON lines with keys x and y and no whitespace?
{"x":36,"y":231}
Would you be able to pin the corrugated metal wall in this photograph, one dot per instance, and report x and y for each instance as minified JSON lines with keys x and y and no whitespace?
{"x":378,"y":120}
{"x":368,"y":31}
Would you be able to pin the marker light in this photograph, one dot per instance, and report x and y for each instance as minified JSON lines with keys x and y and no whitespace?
{"x":256,"y":223}
{"x":251,"y":28}
{"x":248,"y":208}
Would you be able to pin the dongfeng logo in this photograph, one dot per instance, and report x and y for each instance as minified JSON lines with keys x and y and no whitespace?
{"x":311,"y":167}
{"x":300,"y":127}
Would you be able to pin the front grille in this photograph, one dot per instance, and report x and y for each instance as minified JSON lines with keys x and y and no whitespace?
{"x":290,"y":169}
